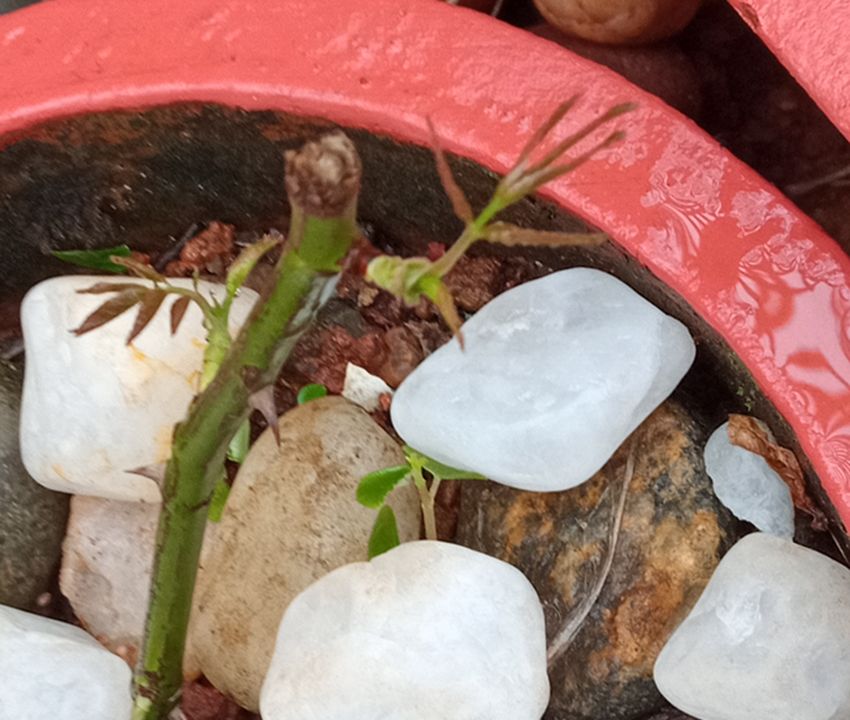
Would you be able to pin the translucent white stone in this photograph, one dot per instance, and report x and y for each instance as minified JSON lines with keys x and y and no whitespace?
{"x":54,"y":671}
{"x":556,"y":374}
{"x":94,"y":407}
{"x":768,"y":640}
{"x":428,"y":630}
{"x":364,"y":389}
{"x":748,"y":486}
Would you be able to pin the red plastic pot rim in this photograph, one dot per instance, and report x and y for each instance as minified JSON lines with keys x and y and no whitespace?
{"x":812,"y":39}
{"x":764,"y":275}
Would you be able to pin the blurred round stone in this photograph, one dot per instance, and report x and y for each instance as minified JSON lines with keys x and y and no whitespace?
{"x":619,"y":22}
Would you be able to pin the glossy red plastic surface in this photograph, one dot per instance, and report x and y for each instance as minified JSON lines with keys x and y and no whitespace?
{"x":812,"y":39}
{"x":763,"y":274}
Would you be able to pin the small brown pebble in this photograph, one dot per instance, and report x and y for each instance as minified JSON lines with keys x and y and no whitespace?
{"x":203,"y":702}
{"x":404,"y":353}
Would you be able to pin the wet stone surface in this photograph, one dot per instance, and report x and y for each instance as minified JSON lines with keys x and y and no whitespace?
{"x":32,"y":518}
{"x":673,"y":534}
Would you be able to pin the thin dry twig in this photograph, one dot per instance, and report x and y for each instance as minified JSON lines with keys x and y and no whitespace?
{"x":562,"y":641}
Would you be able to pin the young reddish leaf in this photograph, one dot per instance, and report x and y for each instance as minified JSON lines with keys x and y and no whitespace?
{"x":753,"y":435}
{"x":373,"y":489}
{"x":111,"y":309}
{"x":151,"y":300}
{"x":511,"y":235}
{"x":540,"y":134}
{"x":460,"y":204}
{"x":577,"y":137}
{"x":141,"y":269}
{"x":384,"y":535}
{"x":178,"y":311}
{"x":242,"y":266}
{"x":106,"y":287}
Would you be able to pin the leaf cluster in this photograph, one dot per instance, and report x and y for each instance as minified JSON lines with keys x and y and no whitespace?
{"x":374,"y":489}
{"x":412,"y":278}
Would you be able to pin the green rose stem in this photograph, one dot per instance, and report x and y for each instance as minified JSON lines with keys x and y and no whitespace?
{"x":322,"y":183}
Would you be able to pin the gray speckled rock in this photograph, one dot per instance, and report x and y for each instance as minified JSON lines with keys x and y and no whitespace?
{"x":32,"y":518}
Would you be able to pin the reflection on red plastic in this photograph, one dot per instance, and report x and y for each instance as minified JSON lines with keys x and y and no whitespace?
{"x":764,"y":275}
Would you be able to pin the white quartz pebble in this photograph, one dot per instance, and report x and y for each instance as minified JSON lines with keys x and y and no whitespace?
{"x":364,"y":389}
{"x":54,"y":671}
{"x":748,"y":486}
{"x":428,"y":630}
{"x":768,"y":640}
{"x":93,"y":407}
{"x":555,"y":376}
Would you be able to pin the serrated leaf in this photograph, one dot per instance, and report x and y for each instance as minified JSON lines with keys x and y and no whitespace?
{"x":95,"y":259}
{"x":142,"y":270}
{"x":373,"y":489}
{"x":242,"y":266}
{"x":151,"y":301}
{"x":460,"y":204}
{"x":178,"y":312}
{"x":438,"y":469}
{"x":111,"y":309}
{"x":313,"y":391}
{"x":512,"y":235}
{"x":384,"y":535}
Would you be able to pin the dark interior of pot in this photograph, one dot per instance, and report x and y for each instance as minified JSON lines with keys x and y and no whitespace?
{"x":143,"y":178}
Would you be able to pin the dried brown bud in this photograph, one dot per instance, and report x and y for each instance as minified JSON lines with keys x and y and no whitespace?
{"x":323,"y":177}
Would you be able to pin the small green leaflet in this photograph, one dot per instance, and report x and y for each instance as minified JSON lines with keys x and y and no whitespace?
{"x":310,"y":392}
{"x":384,"y":535}
{"x":374,"y":487}
{"x":95,"y":259}
{"x":438,"y":469}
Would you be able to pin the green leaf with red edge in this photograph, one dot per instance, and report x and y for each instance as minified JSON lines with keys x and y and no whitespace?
{"x":111,"y":309}
{"x":384,"y":535}
{"x":95,"y":259}
{"x":373,"y":489}
{"x":151,"y":301}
